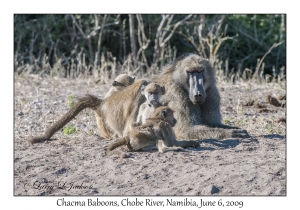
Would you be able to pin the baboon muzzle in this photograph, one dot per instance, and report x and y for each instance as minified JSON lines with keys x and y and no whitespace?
{"x":196,"y":91}
{"x":153,"y":100}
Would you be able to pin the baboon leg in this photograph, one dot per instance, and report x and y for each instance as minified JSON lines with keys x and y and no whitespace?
{"x":122,"y":141}
{"x":89,"y":101}
{"x":103,"y":128}
{"x":203,"y":132}
{"x":186,"y":144}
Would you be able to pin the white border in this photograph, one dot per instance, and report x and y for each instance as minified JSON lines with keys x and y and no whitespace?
{"x":147,"y":7}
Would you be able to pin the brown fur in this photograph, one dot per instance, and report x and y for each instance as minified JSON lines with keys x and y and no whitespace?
{"x":114,"y":115}
{"x":118,"y":112}
{"x":153,"y":93}
{"x":157,"y":130}
{"x":121,"y":82}
{"x":195,"y":121}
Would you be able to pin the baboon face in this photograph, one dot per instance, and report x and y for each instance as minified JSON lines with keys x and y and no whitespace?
{"x":166,"y":114}
{"x":153,"y":93}
{"x":196,"y":87}
{"x":197,"y":71}
{"x":123,"y":80}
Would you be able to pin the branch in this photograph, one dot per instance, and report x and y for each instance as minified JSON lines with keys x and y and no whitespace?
{"x":174,"y":28}
{"x":273,"y":46}
{"x":78,"y":27}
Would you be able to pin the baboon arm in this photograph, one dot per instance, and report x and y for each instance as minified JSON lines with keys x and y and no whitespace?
{"x":186,"y":144}
{"x":120,"y":142}
{"x":161,"y":146}
{"x":140,"y":115}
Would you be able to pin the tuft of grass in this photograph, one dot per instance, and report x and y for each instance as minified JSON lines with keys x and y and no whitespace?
{"x":227,"y":121}
{"x":70,"y":130}
{"x":71,"y":101}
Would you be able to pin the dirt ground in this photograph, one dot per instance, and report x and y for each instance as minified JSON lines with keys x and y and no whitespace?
{"x":75,"y":164}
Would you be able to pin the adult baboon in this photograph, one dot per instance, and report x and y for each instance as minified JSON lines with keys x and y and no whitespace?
{"x":153,"y":93}
{"x":156,"y":131}
{"x":121,"y":81}
{"x":115,"y":114}
{"x":192,"y":93}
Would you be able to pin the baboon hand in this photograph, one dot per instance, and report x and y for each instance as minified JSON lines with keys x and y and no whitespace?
{"x":239,"y":133}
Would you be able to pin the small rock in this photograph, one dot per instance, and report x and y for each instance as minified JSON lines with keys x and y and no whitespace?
{"x":283,"y":97}
{"x":80,"y":124}
{"x":37,"y":101}
{"x":61,"y":171}
{"x":48,"y":111}
{"x":214,"y":189}
{"x":209,"y":190}
{"x":20,"y":113}
{"x":282,"y":119}
{"x":274,"y":101}
{"x":188,"y":189}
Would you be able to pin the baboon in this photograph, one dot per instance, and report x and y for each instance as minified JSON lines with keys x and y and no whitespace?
{"x":152,"y":92}
{"x":191,"y":91}
{"x":120,"y":82}
{"x":114,"y":115}
{"x":156,"y":131}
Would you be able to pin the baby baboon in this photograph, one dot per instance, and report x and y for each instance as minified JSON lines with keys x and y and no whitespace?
{"x":120,"y":82}
{"x":89,"y":101}
{"x":157,"y":130}
{"x":152,"y":92}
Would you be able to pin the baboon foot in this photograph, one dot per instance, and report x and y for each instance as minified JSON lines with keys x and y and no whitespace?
{"x":196,"y":144}
{"x":240,"y":133}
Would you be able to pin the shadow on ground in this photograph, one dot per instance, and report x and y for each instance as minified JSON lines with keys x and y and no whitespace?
{"x":221,"y":144}
{"x":272,"y":136}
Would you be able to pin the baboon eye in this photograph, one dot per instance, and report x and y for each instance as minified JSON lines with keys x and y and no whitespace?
{"x":164,"y":114}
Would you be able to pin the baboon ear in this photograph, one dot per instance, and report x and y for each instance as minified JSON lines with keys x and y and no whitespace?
{"x":115,"y":83}
{"x":142,"y":89}
{"x":163,"y":90}
{"x":164,"y":114}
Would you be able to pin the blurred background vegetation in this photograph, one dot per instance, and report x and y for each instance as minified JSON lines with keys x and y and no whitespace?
{"x":243,"y":46}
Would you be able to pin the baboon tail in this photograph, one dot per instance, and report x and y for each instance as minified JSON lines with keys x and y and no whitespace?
{"x":122,"y":141}
{"x":88,"y":101}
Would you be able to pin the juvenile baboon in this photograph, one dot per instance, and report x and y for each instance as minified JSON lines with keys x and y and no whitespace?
{"x":156,"y":131}
{"x":152,"y":92}
{"x":120,"y":82}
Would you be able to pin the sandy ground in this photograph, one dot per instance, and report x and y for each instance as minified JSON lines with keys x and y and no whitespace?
{"x":75,"y":164}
